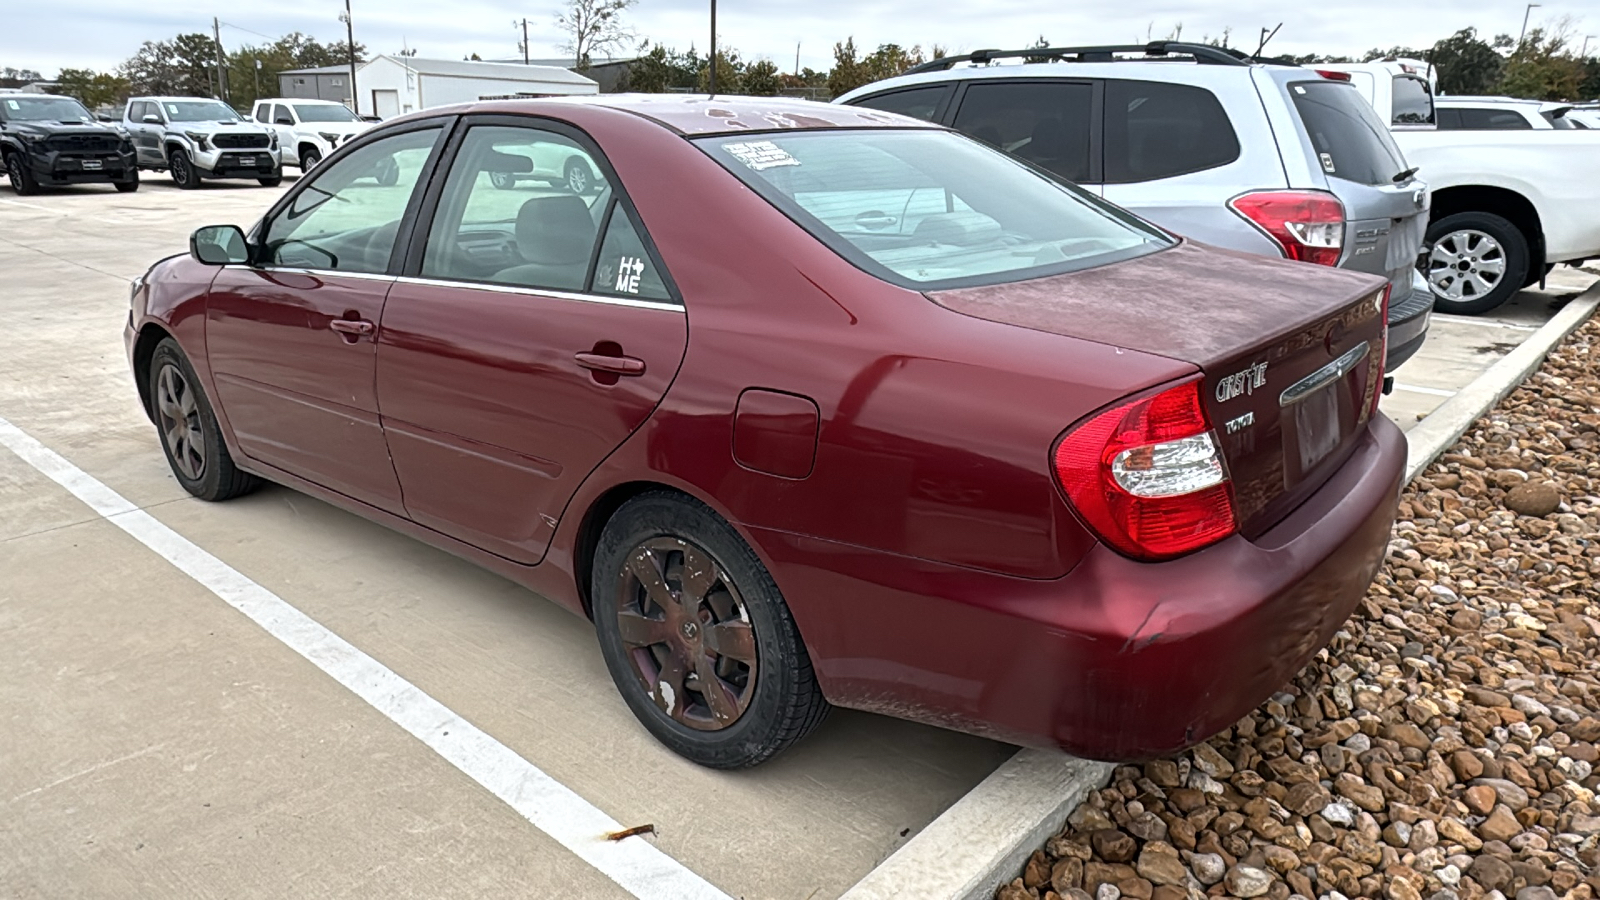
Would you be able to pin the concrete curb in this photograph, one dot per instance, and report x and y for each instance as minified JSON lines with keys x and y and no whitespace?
{"x":982,"y":841}
{"x":1431,"y":437}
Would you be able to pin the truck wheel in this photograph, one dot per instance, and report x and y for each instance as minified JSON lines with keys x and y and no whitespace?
{"x":128,"y":185}
{"x":21,"y":179}
{"x":184,"y":173}
{"x":1475,"y":262}
{"x":309,"y":157}
{"x":273,"y":180}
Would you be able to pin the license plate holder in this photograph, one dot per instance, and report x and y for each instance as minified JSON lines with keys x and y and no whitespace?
{"x":1317,"y":425}
{"x":93,"y":165}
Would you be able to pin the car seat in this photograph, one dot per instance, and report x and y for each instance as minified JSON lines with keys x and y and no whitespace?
{"x":555,"y":236}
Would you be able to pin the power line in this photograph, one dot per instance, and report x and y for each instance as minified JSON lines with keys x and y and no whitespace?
{"x":248,"y":31}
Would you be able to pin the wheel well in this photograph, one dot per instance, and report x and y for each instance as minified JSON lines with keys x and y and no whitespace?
{"x":144,"y":349}
{"x":1508,"y":205}
{"x":303,"y":146}
{"x":594,"y":523}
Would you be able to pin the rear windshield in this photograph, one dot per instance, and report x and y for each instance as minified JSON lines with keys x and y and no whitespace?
{"x":1350,"y":141}
{"x":931,"y":209}
{"x":1413,"y":101}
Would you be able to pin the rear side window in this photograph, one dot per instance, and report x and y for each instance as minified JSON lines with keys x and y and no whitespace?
{"x":1156,"y":130}
{"x":1044,"y":122}
{"x":1413,"y":101}
{"x":1350,"y":141}
{"x":919,"y":103}
{"x":1493,"y":120}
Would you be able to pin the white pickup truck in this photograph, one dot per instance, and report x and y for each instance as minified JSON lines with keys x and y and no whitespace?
{"x":1507,"y":205}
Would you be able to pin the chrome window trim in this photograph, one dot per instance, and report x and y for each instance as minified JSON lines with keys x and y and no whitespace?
{"x":290,"y":270}
{"x":542,"y":292}
{"x":1324,"y":376}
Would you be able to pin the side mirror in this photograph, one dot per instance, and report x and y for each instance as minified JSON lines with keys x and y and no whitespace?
{"x":104,"y":118}
{"x":284,"y":120}
{"x":219,"y":245}
{"x":151,"y":119}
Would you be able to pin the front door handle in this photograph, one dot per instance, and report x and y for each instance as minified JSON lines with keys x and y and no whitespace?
{"x":358,"y":328}
{"x":617,"y":365}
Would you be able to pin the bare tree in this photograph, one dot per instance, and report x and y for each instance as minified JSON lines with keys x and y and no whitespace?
{"x":593,"y":26}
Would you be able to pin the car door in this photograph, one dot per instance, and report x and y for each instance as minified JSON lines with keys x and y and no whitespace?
{"x":291,"y":339}
{"x":284,"y":124}
{"x":146,"y":135}
{"x":534,"y":331}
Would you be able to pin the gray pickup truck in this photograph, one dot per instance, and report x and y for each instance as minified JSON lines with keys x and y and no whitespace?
{"x":195,"y":138}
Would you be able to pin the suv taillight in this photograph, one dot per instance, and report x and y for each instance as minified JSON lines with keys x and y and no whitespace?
{"x":1307,"y":225}
{"x":1147,"y":476}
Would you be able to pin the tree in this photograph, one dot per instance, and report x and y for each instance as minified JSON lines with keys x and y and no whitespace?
{"x":887,"y":61}
{"x":1466,"y":64}
{"x":92,"y":89}
{"x":10,"y":77}
{"x":660,"y":69}
{"x":1542,"y":68}
{"x":184,"y":65}
{"x":730,"y":73}
{"x":761,"y":78}
{"x":292,"y":51}
{"x":847,"y":73}
{"x":593,"y":27}
{"x":1394,"y":53}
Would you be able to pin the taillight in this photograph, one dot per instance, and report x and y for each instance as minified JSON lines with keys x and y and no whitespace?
{"x":1334,"y":76}
{"x":1147,"y":475}
{"x":1307,"y":225}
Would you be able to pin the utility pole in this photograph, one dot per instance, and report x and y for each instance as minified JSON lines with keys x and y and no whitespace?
{"x":525,"y":42}
{"x":350,"y":36}
{"x":1584,"y":53}
{"x":1524,"y":33}
{"x":216,"y":38}
{"x":797,"y":59}
{"x":713,"y":47}
{"x":258,"y":78}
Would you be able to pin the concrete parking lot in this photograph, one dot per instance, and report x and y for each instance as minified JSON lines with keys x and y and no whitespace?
{"x":154,"y":742}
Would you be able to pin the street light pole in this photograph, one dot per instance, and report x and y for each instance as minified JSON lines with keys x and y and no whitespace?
{"x":1524,"y":33}
{"x":350,"y":37}
{"x":713,"y":47}
{"x":1584,"y":54}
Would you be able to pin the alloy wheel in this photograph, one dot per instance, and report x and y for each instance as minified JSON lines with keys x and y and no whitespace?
{"x":179,"y":417}
{"x":577,"y":179}
{"x":1465,"y":265}
{"x":687,"y":633}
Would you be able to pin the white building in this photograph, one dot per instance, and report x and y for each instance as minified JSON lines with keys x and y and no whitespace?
{"x":394,"y":85}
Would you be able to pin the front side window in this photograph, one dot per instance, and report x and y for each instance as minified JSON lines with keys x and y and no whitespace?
{"x":1350,"y":140}
{"x":1044,"y":122}
{"x":348,"y":217}
{"x":280,"y":115}
{"x":508,"y":213}
{"x":1413,"y":101}
{"x":198,"y":111}
{"x":1156,"y":130}
{"x":262,"y":113}
{"x":44,"y":109}
{"x":918,"y":103}
{"x":928,"y":209}
{"x":323,"y":112}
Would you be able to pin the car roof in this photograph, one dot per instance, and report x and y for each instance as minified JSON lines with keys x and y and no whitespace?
{"x":697,"y":114}
{"x":1134,"y":69}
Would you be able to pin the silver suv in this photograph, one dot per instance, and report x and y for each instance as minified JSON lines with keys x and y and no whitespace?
{"x":196,"y":138}
{"x":1254,"y":155}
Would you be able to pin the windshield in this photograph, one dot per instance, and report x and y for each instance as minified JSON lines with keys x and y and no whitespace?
{"x":198,"y":111}
{"x":317,"y":112}
{"x":45,"y":109}
{"x":1350,"y":140}
{"x":930,"y":209}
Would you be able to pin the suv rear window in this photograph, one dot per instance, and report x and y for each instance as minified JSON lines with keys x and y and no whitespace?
{"x":1044,"y":122}
{"x":1157,"y":130}
{"x":1413,"y":101}
{"x":930,"y":209}
{"x":1470,"y":118}
{"x":1350,"y":141}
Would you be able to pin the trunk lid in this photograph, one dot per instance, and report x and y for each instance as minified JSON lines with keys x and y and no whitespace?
{"x":1290,"y":353}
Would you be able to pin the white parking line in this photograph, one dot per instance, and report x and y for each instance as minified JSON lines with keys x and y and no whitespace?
{"x":634,"y":863}
{"x":1417,"y":389}
{"x":1487,"y":323}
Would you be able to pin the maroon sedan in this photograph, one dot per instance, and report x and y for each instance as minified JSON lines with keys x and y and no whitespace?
{"x":803,"y":405}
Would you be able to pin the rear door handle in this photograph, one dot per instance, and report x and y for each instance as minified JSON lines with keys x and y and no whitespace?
{"x":619,"y":365}
{"x":359,"y":328}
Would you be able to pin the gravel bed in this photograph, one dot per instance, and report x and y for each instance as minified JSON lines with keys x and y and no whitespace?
{"x":1444,"y":745}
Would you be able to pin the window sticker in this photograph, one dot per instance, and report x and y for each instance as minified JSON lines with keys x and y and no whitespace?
{"x":1327,"y":163}
{"x":172,"y":109}
{"x":629,"y":268}
{"x":12,"y":104}
{"x":760,"y":155}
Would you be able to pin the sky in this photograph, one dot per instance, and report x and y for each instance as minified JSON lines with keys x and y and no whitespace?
{"x":99,"y":34}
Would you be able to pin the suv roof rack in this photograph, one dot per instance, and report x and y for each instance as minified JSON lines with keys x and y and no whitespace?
{"x":1205,"y":54}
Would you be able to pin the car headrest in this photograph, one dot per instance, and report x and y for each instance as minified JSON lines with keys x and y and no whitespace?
{"x":964,"y":228}
{"x":555,"y":230}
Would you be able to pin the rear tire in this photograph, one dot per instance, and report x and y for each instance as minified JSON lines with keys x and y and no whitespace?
{"x":189,"y":432}
{"x":1475,"y":261}
{"x":22,"y":180}
{"x":184,"y":173}
{"x":720,"y":619}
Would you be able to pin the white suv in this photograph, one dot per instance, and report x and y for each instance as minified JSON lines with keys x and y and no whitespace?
{"x":308,"y":130}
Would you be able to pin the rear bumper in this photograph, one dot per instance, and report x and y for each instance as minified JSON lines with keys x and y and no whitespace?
{"x":1118,"y":659}
{"x":1408,"y":323}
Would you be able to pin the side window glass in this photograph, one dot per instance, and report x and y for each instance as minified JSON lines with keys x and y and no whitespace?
{"x":347,"y":218}
{"x":1413,"y":101}
{"x":1043,"y":122}
{"x":624,"y":268}
{"x":280,"y":115}
{"x":521,"y":207}
{"x":1449,"y":119}
{"x":919,"y":103}
{"x":1156,"y":130}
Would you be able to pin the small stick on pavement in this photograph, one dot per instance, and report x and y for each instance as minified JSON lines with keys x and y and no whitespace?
{"x":630,"y":832}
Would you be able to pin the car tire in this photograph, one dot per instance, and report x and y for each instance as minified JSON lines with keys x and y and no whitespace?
{"x":22,"y":180}
{"x":184,"y":173}
{"x":738,"y":632}
{"x":579,"y":178}
{"x":388,"y":173}
{"x":272,"y":180}
{"x":128,"y":185}
{"x":190,"y":434}
{"x":505,"y":181}
{"x":1474,"y":261}
{"x":309,"y":157}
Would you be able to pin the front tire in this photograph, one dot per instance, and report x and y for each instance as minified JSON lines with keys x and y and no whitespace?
{"x":1475,"y":262}
{"x":22,"y":180}
{"x":184,"y":173}
{"x":309,"y":157}
{"x":129,"y":184}
{"x":190,"y":435}
{"x":578,"y":177}
{"x":697,"y":637}
{"x":504,"y":181}
{"x":273,"y":180}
